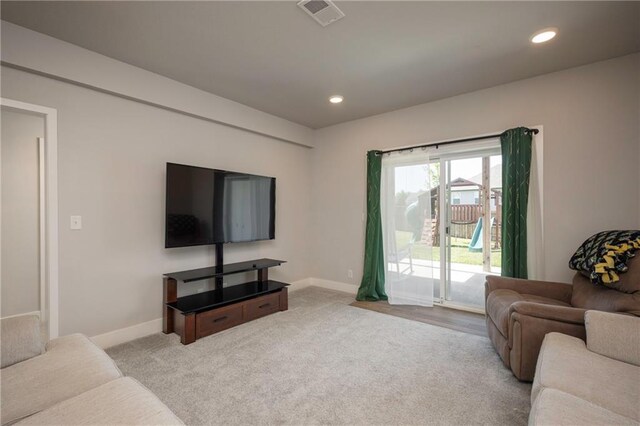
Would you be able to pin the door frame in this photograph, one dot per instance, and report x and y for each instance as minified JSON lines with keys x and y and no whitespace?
{"x":49,"y":268}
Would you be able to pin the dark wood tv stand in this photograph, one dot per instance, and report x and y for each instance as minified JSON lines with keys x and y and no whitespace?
{"x":201,"y":314}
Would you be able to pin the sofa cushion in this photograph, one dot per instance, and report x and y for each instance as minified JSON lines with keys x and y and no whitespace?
{"x":554,"y":407}
{"x":565,"y":364}
{"x":586,"y":295}
{"x":615,"y":336}
{"x":119,"y":402}
{"x":71,"y":365}
{"x":20,"y":339}
{"x":499,"y":301}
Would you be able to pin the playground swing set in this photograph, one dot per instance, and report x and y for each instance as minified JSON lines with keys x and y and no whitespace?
{"x":462,"y":217}
{"x":466,"y":222}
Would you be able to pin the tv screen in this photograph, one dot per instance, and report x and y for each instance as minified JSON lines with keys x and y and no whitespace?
{"x":208,"y":206}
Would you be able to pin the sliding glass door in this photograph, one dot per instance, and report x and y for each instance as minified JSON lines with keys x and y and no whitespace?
{"x":470,"y":226}
{"x":441,"y":224}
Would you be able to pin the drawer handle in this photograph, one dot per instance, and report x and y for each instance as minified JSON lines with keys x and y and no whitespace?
{"x":264,"y":305}
{"x":220,"y":319}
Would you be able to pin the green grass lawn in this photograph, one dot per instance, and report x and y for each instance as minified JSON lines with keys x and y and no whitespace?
{"x":459,"y":251}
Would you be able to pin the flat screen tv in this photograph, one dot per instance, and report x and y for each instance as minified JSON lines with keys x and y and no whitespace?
{"x":208,"y":206}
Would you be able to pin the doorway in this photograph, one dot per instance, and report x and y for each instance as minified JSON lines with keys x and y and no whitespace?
{"x":29,"y":212}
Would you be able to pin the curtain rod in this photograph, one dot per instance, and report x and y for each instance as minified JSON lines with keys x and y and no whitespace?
{"x":437,"y":144}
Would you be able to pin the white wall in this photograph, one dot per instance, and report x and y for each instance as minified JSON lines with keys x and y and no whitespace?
{"x":20,"y":213}
{"x":112,"y":155}
{"x":591,"y":147}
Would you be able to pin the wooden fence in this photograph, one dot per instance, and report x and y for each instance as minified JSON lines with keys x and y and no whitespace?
{"x":462,"y":230}
{"x":466,"y":213}
{"x":464,"y":218}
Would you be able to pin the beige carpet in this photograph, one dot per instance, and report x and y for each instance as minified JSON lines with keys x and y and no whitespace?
{"x":325,"y":362}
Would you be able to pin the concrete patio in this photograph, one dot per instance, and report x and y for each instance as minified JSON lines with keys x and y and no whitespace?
{"x":467,"y":281}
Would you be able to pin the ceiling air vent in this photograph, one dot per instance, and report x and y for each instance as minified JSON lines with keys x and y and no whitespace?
{"x":323,"y":11}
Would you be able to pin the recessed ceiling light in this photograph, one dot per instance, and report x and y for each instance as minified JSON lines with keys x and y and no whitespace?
{"x":336,"y":99}
{"x":544,"y":35}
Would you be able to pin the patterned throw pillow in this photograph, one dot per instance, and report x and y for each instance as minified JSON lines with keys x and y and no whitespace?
{"x":603,"y":256}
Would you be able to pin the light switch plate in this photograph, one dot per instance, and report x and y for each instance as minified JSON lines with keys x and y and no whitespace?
{"x":76,"y":222}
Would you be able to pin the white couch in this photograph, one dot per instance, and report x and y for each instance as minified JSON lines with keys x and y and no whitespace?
{"x":68,"y":381}
{"x":597,"y":383}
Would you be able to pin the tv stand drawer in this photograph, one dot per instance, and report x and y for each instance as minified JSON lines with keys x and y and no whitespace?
{"x":262,"y":306}
{"x":216,"y":320}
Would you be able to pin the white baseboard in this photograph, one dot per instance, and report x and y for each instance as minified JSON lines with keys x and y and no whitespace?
{"x":335,"y":285}
{"x":123,"y":335}
{"x":300,"y":284}
{"x":319,"y":282}
{"x":127,"y":334}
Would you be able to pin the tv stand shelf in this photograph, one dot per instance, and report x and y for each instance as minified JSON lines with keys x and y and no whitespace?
{"x":219,"y":271}
{"x":201,"y":314}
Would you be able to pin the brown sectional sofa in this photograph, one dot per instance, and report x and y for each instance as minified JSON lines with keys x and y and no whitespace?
{"x":519,"y":313}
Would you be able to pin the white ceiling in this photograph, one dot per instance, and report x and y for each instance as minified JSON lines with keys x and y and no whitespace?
{"x":382,"y":56}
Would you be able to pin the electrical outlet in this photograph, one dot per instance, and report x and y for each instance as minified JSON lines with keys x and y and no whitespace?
{"x":350,"y":273}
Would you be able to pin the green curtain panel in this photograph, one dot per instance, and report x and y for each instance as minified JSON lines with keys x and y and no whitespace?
{"x":372,"y":285}
{"x":516,"y":168}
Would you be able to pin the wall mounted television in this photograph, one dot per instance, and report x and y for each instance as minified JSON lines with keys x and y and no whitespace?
{"x":209,"y":206}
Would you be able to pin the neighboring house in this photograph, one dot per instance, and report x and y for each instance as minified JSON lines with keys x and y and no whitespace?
{"x":467,"y":191}
{"x":465,"y":196}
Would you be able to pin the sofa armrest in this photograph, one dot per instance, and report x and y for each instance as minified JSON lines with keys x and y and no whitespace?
{"x":529,"y":323}
{"x":550,"y":312}
{"x":20,"y":339}
{"x":614,"y":335}
{"x":553,"y":290}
